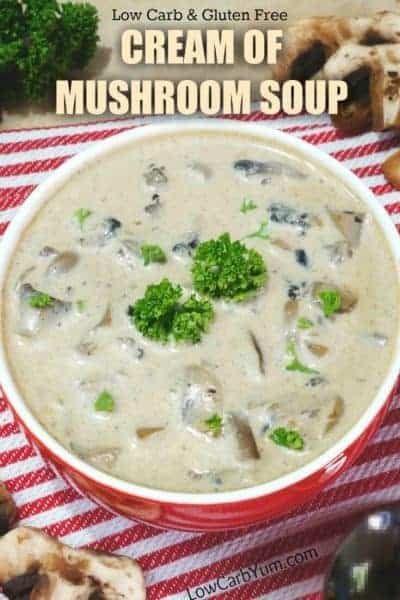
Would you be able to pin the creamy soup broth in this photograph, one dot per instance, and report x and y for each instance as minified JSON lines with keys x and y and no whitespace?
{"x":177,"y":192}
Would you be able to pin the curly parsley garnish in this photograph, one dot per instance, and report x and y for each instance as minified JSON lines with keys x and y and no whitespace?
{"x":159,"y":315}
{"x":226,"y":269}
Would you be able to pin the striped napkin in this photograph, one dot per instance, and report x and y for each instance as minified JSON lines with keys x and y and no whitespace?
{"x":283,"y":559}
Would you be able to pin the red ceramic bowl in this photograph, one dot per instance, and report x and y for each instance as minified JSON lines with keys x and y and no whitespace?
{"x":214,"y":511}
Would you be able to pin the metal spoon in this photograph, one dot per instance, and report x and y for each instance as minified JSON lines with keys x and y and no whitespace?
{"x":367,"y":565}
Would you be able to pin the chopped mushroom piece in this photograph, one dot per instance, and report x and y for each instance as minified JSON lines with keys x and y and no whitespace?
{"x":32,"y":320}
{"x":62,"y":263}
{"x":100,"y":233}
{"x":379,"y":339}
{"x":155,"y":177}
{"x":154,"y":205}
{"x":391,"y":169}
{"x":200,"y":395}
{"x":103,"y":458}
{"x":34,"y":565}
{"x":349,"y":224}
{"x":317,"y":349}
{"x":291,"y":311}
{"x":333,"y":413}
{"x":248,"y":449}
{"x":106,"y":319}
{"x":339,"y":252}
{"x":282,"y":214}
{"x":314,"y":414}
{"x":199,"y":172}
{"x":48,"y":251}
{"x":259,"y":352}
{"x":87,"y":347}
{"x":7,"y":510}
{"x":145,"y":432}
{"x":185,"y":248}
{"x":265,"y":170}
{"x":282,"y":244}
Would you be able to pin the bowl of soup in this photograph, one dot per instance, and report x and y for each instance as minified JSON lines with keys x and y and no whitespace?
{"x":200,"y":321}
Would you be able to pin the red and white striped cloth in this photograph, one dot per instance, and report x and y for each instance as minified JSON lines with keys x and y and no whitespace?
{"x":192,"y":565}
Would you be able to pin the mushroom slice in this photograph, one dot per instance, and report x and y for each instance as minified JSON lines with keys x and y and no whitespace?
{"x":349,"y":224}
{"x":339,"y":252}
{"x":282,"y":244}
{"x":129,"y":252}
{"x":7,"y":510}
{"x":106,"y":320}
{"x":199,"y":172}
{"x":348,"y":298}
{"x":333,"y":412}
{"x":87,"y":347}
{"x":249,"y":169}
{"x":291,"y":311}
{"x":259,"y":352}
{"x":101,"y":232}
{"x":247,"y":445}
{"x":155,"y":177}
{"x":391,"y":169}
{"x":153,"y":206}
{"x":200,"y":395}
{"x":145,"y":432}
{"x":103,"y":458}
{"x":283,"y":214}
{"x":185,"y":248}
{"x":34,"y":565}
{"x":48,"y":251}
{"x":62,"y":263}
{"x":314,"y":413}
{"x":32,"y":320}
{"x":378,"y":338}
{"x":317,"y":349}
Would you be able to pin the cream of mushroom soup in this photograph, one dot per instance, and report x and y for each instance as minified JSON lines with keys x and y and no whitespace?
{"x":200,"y":312}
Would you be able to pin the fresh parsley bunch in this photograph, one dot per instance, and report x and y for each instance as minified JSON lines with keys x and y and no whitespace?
{"x":42,"y":41}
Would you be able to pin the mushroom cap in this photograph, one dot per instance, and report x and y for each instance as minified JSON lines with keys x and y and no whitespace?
{"x":66,"y":573}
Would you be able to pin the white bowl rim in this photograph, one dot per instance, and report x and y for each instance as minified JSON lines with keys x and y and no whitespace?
{"x":266,"y":135}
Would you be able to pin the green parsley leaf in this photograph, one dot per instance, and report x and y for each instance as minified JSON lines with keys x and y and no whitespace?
{"x":81,"y":305}
{"x":331,"y":301}
{"x":81,"y":215}
{"x":40,"y":300}
{"x":153,"y":254}
{"x":287,"y":438}
{"x":304,"y":323}
{"x":214,"y":425}
{"x":261,"y":233}
{"x":247,"y":206}
{"x":105,"y":402}
{"x":295,"y":364}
